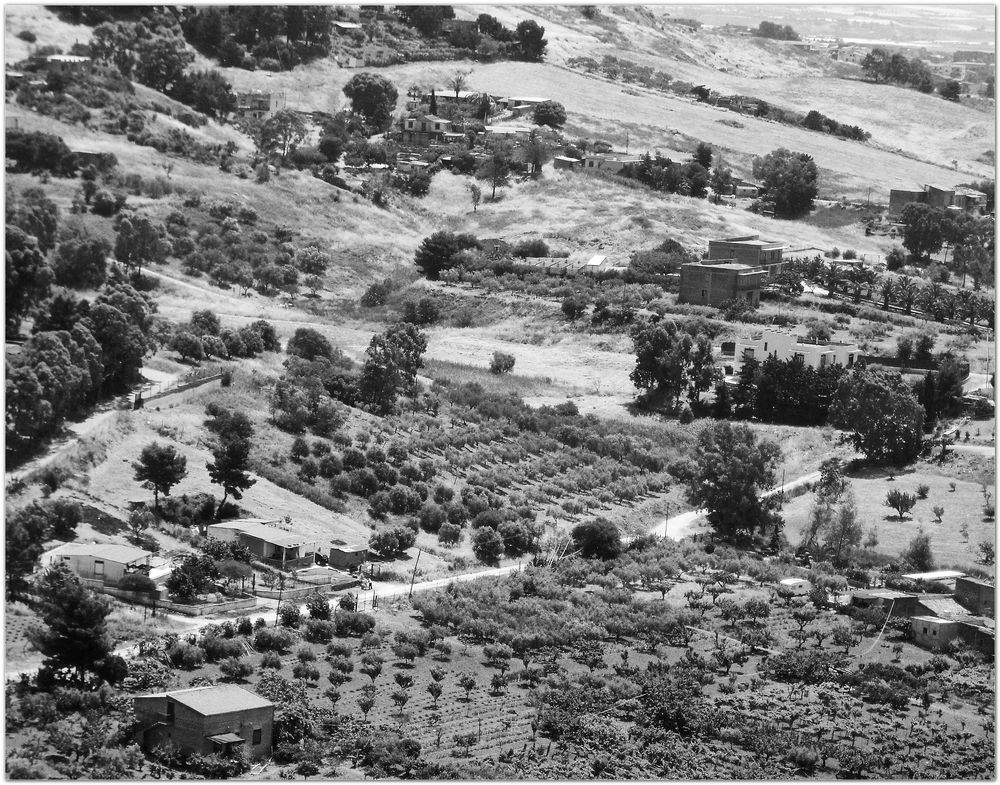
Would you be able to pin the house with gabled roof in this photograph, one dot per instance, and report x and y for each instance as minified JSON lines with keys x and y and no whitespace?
{"x":100,"y":564}
{"x":224,"y":719}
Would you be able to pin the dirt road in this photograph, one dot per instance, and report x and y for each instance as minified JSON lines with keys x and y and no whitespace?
{"x":680,"y":526}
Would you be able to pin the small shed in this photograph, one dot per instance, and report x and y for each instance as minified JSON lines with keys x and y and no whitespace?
{"x":797,"y":586}
{"x":348,"y":556}
{"x":565,"y":162}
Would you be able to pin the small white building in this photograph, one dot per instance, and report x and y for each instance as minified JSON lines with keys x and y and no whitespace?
{"x":787,"y":346}
{"x":612,"y":162}
{"x":798,"y":586}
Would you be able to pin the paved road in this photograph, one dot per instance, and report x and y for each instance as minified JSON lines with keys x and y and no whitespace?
{"x":680,"y":526}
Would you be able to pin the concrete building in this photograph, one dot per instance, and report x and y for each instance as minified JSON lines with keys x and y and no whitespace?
{"x":204,"y":720}
{"x":976,"y":595}
{"x":348,"y":556}
{"x":966,"y":199}
{"x":428,"y":129}
{"x":565,"y":162}
{"x":748,"y":249}
{"x":713,"y":283}
{"x":788,"y":346}
{"x":105,"y":564}
{"x":609,"y":162}
{"x":258,"y":105}
{"x":933,"y":632}
{"x":271,"y":544}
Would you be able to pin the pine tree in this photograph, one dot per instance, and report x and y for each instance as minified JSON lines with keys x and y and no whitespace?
{"x":75,"y":634}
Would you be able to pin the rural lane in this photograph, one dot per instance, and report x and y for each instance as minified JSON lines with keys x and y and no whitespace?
{"x":679,"y":526}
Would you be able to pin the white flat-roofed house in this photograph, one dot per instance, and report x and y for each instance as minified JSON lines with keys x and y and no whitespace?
{"x":788,"y":346}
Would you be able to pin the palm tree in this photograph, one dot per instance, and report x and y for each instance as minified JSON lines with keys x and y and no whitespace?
{"x":906,"y":291}
{"x":928,"y":297}
{"x":887,"y":291}
{"x":833,"y":276}
{"x":858,"y":277}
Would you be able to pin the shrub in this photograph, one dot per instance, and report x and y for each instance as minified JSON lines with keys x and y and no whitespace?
{"x":273,"y":640}
{"x":319,"y":630}
{"x":303,"y":670}
{"x":341,"y":663}
{"x":340,"y":649}
{"x":449,"y":534}
{"x":270,"y":659}
{"x":305,"y":654}
{"x":236,"y":668}
{"x":185,"y":655}
{"x":501,"y":363}
{"x":923,"y":490}
{"x":290,"y":615}
{"x":217,"y":648}
{"x":353,"y":624}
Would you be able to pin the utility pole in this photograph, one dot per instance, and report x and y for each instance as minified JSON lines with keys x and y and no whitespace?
{"x":414,"y":576}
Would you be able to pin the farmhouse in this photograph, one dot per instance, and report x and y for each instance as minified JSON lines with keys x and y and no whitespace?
{"x":346,"y":27}
{"x":223,"y":719}
{"x":258,"y":105}
{"x":273,"y":545}
{"x":744,"y":189}
{"x":713,"y":283}
{"x":565,"y":162}
{"x":105,"y":564}
{"x":428,"y":129}
{"x":748,"y":249}
{"x":67,"y":64}
{"x":609,"y":162}
{"x":788,"y":346}
{"x":933,"y":632}
{"x":966,"y":199}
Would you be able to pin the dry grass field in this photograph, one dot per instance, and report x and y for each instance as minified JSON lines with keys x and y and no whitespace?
{"x":962,"y":501}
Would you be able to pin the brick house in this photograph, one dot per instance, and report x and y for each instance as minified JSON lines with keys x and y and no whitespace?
{"x":966,"y":199}
{"x":748,"y":249}
{"x":223,"y":719}
{"x":348,"y":556}
{"x":713,"y":283}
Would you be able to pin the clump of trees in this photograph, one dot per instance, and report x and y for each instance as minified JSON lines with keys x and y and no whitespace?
{"x":880,"y":66}
{"x":775,"y":31}
{"x":882,"y":413}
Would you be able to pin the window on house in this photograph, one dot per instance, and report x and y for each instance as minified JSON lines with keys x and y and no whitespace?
{"x":703,"y":294}
{"x":765,"y":346}
{"x":98,"y":568}
{"x":850,"y":361}
{"x":170,"y":710}
{"x":258,"y":734}
{"x":925,"y":630}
